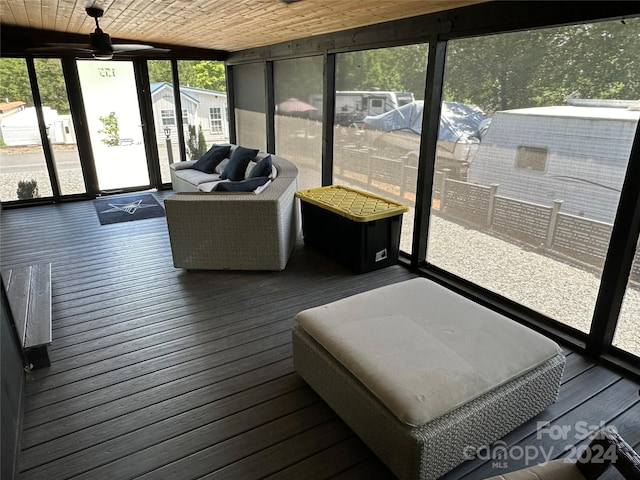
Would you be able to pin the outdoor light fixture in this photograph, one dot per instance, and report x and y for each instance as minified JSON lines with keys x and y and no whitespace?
{"x":167,"y":132}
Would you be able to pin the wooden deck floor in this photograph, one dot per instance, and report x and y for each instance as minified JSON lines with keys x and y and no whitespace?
{"x":166,"y":374}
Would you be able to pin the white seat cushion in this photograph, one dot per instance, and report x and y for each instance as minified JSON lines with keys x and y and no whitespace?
{"x":196,"y":177}
{"x":422,"y":349}
{"x":209,"y":186}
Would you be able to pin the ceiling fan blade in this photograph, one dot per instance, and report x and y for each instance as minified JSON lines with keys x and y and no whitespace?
{"x":145,"y":51}
{"x":83,"y":46}
{"x":62,"y":48}
{"x":129,"y":47}
{"x":158,"y":50}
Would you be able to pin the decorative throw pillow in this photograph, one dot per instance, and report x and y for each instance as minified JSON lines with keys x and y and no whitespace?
{"x":250,"y":166}
{"x":221,"y":166}
{"x":248,"y":185}
{"x":238,"y":162}
{"x":262,"y":168}
{"x":210,"y":160}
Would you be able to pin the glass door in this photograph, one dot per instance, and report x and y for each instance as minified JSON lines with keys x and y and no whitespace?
{"x":115,"y":126}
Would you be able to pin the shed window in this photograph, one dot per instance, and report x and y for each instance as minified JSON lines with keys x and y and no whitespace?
{"x":533,"y":159}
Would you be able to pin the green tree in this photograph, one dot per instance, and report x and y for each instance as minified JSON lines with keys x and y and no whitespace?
{"x":111,"y":129}
{"x":192,"y":143}
{"x":599,"y":60}
{"x":298,"y":78}
{"x":544,"y":67}
{"x":196,"y":143}
{"x":14,"y":81}
{"x":159,"y":71}
{"x":210,"y":76}
{"x":206,"y":74}
{"x":202,"y":142}
{"x":15,"y":85}
{"x":495,"y":72}
{"x":395,"y":69}
{"x":53,"y":91}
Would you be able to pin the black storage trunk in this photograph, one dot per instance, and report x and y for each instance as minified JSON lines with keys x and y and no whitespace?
{"x":360,"y":246}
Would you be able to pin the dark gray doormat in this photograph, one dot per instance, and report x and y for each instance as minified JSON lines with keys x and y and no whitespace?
{"x":127,"y":208}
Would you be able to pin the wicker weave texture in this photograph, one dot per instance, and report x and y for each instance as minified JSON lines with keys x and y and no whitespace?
{"x":216,"y":231}
{"x":429,"y":451}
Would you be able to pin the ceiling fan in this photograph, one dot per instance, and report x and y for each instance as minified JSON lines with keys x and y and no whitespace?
{"x":100,"y":46}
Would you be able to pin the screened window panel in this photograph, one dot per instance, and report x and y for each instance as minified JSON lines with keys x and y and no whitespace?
{"x":375,"y":91}
{"x":249,"y":94}
{"x":298,"y":117}
{"x":547,"y":137}
{"x":23,"y":169}
{"x":627,"y":335}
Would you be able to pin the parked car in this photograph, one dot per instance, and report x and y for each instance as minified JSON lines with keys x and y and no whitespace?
{"x":396,"y":134}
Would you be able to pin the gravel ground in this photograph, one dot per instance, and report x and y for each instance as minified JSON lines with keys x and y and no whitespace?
{"x":547,"y":285}
{"x":71,"y":181}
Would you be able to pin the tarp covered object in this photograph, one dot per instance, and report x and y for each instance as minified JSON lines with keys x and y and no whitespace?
{"x":457,"y":120}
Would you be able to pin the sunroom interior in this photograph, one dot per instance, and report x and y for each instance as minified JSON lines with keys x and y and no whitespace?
{"x":158,"y":372}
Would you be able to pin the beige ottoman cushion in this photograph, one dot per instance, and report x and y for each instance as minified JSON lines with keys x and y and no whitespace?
{"x":423,"y":350}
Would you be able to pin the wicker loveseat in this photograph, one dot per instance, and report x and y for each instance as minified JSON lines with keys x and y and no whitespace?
{"x":236,"y":231}
{"x":185,"y":178}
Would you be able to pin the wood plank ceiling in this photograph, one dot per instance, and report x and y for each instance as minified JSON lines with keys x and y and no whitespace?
{"x":229,"y":25}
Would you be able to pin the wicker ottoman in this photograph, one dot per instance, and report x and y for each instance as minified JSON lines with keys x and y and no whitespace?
{"x":423,"y":375}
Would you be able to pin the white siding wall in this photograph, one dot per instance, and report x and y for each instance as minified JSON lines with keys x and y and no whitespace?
{"x":197,"y":105}
{"x":586,"y":162}
{"x":208,"y":101}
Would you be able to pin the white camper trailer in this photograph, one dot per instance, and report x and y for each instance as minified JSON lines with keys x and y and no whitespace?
{"x":353,"y":105}
{"x":577,"y":154}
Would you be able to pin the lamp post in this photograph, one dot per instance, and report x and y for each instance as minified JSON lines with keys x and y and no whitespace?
{"x":167,"y":132}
